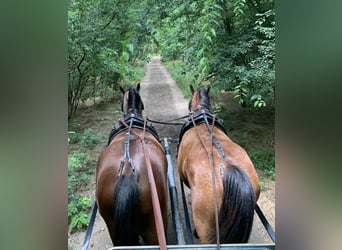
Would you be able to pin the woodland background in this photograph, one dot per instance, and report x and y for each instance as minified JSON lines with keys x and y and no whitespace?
{"x":229,"y":45}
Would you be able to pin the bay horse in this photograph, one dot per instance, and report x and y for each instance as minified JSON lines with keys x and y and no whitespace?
{"x":123,"y":192}
{"x":222,"y":178}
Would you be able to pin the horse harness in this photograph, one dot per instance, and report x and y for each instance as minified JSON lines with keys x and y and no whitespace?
{"x":131,"y":122}
{"x":128,"y":124}
{"x":206,"y":117}
{"x":134,"y":122}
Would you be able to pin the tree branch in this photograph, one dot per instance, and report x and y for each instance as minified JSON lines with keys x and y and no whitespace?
{"x":109,"y":22}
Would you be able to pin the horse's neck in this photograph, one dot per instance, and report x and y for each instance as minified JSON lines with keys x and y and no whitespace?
{"x":133,"y":113}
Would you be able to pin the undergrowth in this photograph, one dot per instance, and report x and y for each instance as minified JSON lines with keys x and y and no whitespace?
{"x":80,"y":169}
{"x":82,"y":153}
{"x":264,"y":160}
{"x":182,"y":78}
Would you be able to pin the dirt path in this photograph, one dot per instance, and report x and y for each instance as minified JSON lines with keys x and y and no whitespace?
{"x":163,"y":100}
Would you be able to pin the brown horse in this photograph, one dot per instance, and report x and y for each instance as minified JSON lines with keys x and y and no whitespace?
{"x":206,"y":156}
{"x":123,"y":192}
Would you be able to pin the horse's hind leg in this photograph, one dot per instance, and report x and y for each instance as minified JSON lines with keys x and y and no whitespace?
{"x":202,"y":217}
{"x":108,"y":218}
{"x":149,"y":233}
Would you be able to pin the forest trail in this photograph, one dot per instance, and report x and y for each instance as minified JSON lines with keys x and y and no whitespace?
{"x":163,"y":100}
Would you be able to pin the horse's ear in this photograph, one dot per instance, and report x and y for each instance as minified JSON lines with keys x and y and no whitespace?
{"x":138,"y":87}
{"x":122,"y":89}
{"x":192,"y":89}
{"x":208,"y":89}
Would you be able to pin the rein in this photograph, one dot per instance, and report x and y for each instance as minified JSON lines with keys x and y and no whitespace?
{"x":155,"y":200}
{"x":169,"y":122}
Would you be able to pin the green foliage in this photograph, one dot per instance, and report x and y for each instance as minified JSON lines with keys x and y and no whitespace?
{"x":264,"y":159}
{"x":89,"y":139}
{"x":227,"y":44}
{"x":262,"y":185}
{"x":182,"y":79}
{"x":238,"y":7}
{"x":77,"y":166}
{"x":240,"y":93}
{"x":78,"y":213}
{"x":105,"y":39}
{"x":77,"y":160}
{"x":79,"y":172}
{"x":78,"y":175}
{"x":258,"y":102}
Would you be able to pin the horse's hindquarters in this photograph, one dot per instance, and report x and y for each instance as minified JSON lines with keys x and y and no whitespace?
{"x":197,"y":158}
{"x":117,"y":196}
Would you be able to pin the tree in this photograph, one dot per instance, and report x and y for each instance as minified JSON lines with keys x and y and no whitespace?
{"x":227,"y":44}
{"x":102,"y":39}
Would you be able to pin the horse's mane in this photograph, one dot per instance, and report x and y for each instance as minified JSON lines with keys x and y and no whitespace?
{"x":204,"y":98}
{"x":133,"y":100}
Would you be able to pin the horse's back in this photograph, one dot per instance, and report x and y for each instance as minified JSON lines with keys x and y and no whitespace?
{"x":191,"y":152}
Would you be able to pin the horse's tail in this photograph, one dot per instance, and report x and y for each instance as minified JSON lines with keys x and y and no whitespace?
{"x":237,"y":210}
{"x":126,"y":203}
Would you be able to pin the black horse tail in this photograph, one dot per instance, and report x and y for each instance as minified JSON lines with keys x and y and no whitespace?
{"x":126,"y":203}
{"x":237,"y":210}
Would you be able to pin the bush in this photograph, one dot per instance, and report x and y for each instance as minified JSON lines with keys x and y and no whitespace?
{"x":77,"y":160}
{"x":264,"y":159}
{"x":182,"y":78}
{"x":88,"y":139}
{"x":78,"y":213}
{"x":78,"y":176}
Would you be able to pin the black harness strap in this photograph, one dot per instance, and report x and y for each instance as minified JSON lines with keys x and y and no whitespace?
{"x":205,"y":117}
{"x":200,"y":118}
{"x":186,"y":215}
{"x":265,"y":222}
{"x":138,"y":122}
{"x":127,"y":156}
{"x":217,"y":143}
{"x":90,"y":227}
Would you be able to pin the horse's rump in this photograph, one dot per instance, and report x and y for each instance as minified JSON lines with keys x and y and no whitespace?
{"x":131,"y":194}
